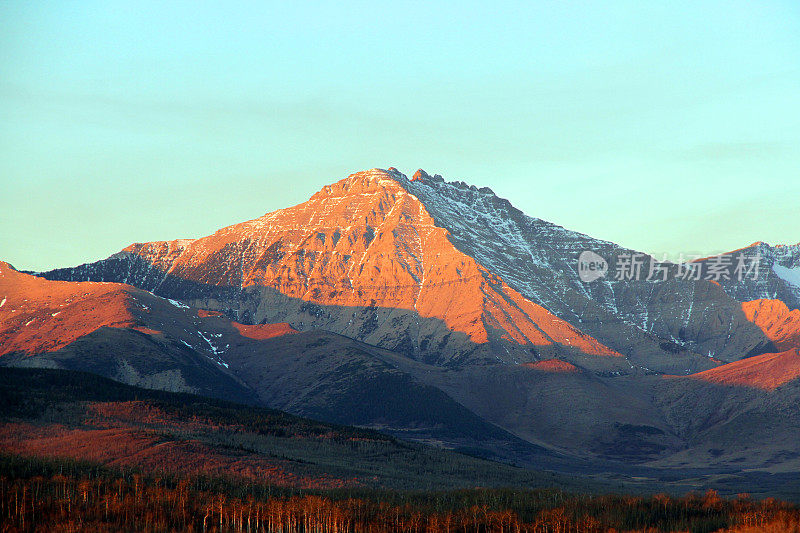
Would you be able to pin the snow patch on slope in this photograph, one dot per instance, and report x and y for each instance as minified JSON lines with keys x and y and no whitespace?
{"x":177,"y":304}
{"x":214,"y":349}
{"x":789,"y":275}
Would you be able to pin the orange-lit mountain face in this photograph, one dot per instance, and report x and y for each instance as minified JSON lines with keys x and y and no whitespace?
{"x":38,"y":315}
{"x":778,"y":323}
{"x":365,"y":240}
{"x":767,"y":371}
{"x":442,"y":272}
{"x":371,"y":260}
{"x":123,"y":333}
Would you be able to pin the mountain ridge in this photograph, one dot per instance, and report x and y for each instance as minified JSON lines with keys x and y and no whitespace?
{"x":448,"y":292}
{"x":346,"y":261}
{"x":380,"y":225}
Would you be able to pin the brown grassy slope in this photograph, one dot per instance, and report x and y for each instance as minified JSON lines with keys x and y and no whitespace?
{"x":56,"y":413}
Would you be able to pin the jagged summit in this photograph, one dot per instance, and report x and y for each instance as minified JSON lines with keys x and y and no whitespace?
{"x":382,"y":177}
{"x":364,"y":182}
{"x":420,"y":175}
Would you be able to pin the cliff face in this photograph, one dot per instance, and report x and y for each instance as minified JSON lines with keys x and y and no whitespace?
{"x":442,"y":272}
{"x":778,"y":323}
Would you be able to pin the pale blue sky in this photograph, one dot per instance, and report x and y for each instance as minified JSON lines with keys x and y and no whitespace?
{"x":663,"y":126}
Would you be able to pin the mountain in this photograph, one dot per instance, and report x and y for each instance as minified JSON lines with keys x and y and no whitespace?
{"x":111,"y":329}
{"x":363,"y":258}
{"x":442,"y":272}
{"x":773,"y":317}
{"x":775,"y":273}
{"x":767,"y":371}
{"x":132,"y":336}
{"x":438,"y":312}
{"x":740,"y":414}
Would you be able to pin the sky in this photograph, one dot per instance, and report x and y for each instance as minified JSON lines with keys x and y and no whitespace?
{"x":667,"y":127}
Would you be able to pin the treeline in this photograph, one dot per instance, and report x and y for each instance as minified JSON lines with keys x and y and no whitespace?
{"x":38,"y":495}
{"x":28,"y":393}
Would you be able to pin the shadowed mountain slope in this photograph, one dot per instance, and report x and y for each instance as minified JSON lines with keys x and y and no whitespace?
{"x":135,"y":337}
{"x":743,"y":414}
{"x":57,"y":413}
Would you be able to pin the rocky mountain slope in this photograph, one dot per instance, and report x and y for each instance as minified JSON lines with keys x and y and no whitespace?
{"x":132,"y":336}
{"x":111,"y":329}
{"x":445,"y":298}
{"x":773,"y":317}
{"x":442,"y":272}
{"x":775,"y":273}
